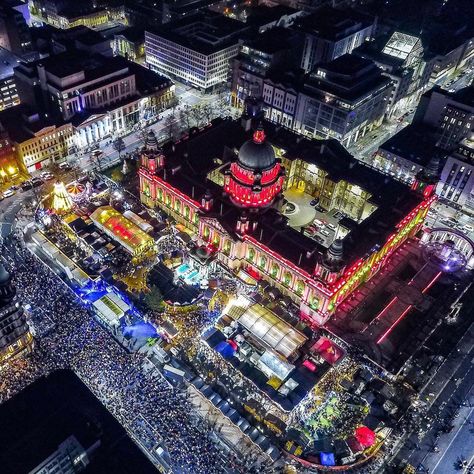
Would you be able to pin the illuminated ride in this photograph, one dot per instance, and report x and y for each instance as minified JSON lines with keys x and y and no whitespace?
{"x":449,"y":248}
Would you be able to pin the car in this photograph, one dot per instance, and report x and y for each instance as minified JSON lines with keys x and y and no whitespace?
{"x":468,"y":228}
{"x":319,"y":239}
{"x":36,"y":184}
{"x":452,"y":90}
{"x":319,"y":222}
{"x":36,"y":179}
{"x":26,"y":186}
{"x":8,"y":193}
{"x":314,"y":202}
{"x":65,"y":166}
{"x":331,"y":226}
{"x":324,"y":232}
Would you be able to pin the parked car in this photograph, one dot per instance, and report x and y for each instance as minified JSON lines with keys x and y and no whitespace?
{"x":65,"y":166}
{"x":26,"y":186}
{"x":314,"y":202}
{"x":8,"y":193}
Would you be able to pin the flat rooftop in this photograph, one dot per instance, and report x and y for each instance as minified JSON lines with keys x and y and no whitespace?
{"x":48,"y":411}
{"x":333,"y":24}
{"x":196,"y":156}
{"x":205,"y":33}
{"x":415,"y":143}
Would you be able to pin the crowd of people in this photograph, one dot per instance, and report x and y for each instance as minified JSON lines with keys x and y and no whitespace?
{"x":114,"y":375}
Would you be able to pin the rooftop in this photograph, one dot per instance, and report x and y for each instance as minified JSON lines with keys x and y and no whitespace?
{"x":205,"y":33}
{"x":333,"y":24}
{"x":196,"y":156}
{"x":415,"y":143}
{"x":48,"y":411}
{"x":8,"y":61}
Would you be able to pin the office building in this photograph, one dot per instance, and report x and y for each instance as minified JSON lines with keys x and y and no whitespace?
{"x":331,"y":33}
{"x":456,"y":184}
{"x":451,"y":114}
{"x":343,"y":99}
{"x":8,"y":92}
{"x":196,"y":50}
{"x":401,"y":58}
{"x":259,"y":58}
{"x":15,"y":335}
{"x":130,"y":43}
{"x":14,"y":32}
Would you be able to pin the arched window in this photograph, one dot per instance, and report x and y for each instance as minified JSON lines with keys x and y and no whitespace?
{"x":314,"y":302}
{"x":251,"y":254}
{"x":168,"y":200}
{"x":299,"y":287}
{"x":206,"y":232}
{"x":275,"y":269}
{"x":186,"y":212}
{"x":160,"y":194}
{"x":177,"y":204}
{"x":287,"y":278}
{"x":263,"y":261}
{"x":227,"y":246}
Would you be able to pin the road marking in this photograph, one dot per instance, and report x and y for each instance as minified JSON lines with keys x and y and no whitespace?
{"x":452,"y":441}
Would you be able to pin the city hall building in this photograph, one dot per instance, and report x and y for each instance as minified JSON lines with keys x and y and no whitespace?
{"x":238,"y":185}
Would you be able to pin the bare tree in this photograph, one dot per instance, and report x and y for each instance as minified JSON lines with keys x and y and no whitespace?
{"x":171,"y":126}
{"x":207,"y":111}
{"x":197,"y":114}
{"x":185,"y":116}
{"x":119,"y":145}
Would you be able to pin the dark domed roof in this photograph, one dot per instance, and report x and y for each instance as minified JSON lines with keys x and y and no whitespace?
{"x":4,"y":275}
{"x":257,"y":154}
{"x":151,"y":142}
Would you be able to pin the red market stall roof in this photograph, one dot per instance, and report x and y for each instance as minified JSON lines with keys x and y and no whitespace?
{"x":328,"y":350}
{"x":365,"y":436}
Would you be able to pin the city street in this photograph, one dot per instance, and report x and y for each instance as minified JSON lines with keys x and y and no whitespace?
{"x":188,"y":97}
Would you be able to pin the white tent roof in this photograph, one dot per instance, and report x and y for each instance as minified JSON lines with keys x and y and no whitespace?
{"x":275,"y":332}
{"x":111,"y":307}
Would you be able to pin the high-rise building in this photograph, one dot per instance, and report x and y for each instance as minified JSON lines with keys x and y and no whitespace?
{"x":330,"y":33}
{"x":196,"y":50}
{"x":15,"y":335}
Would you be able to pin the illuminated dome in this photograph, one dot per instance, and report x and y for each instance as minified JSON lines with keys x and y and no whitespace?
{"x":257,"y":153}
{"x":256,"y":177}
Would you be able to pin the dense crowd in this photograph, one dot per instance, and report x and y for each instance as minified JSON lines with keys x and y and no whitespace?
{"x":115,"y":376}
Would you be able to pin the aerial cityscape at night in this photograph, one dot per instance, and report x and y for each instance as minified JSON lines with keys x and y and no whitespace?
{"x":236,"y":236}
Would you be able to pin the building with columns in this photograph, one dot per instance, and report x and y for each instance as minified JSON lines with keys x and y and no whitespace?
{"x":231,"y":185}
{"x":99,"y":96}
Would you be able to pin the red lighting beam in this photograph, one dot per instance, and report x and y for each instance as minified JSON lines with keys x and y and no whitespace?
{"x":386,"y":308}
{"x":389,"y":330}
{"x":432,"y":282}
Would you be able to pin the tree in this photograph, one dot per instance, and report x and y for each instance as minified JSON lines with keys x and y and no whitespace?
{"x":117,"y":175}
{"x":197,"y":114}
{"x":185,"y":116}
{"x":119,"y":145}
{"x":207,"y":112}
{"x":171,"y":127}
{"x":154,"y":299}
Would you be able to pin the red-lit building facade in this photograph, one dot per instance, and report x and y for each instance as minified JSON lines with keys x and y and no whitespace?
{"x":226,"y":182}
